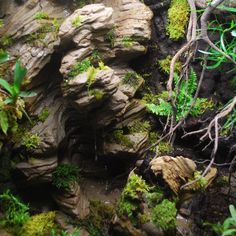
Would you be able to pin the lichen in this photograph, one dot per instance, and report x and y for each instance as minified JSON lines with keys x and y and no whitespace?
{"x":39,"y":225}
{"x":164,"y":215}
{"x":165,"y":65}
{"x":178,"y":15}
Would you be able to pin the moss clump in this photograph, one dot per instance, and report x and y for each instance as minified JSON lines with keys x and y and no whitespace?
{"x":30,"y":141}
{"x":77,"y":22}
{"x":131,"y":197}
{"x":111,"y":36}
{"x":201,"y":181}
{"x":164,"y":215}
{"x":64,"y":175}
{"x":41,"y":15}
{"x":118,"y":136}
{"x":97,"y":93}
{"x":164,"y":147}
{"x":165,"y":65}
{"x":79,"y":68}
{"x":39,"y":225}
{"x":139,"y":126}
{"x":132,"y":79}
{"x":43,"y":115}
{"x":178,"y":15}
{"x":6,"y":41}
{"x":127,"y":41}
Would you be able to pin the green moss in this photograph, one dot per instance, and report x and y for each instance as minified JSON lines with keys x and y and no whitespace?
{"x":132,"y":79}
{"x":39,"y":225}
{"x":79,"y":68}
{"x":165,"y":65}
{"x":154,"y":196}
{"x":41,"y":16}
{"x":164,"y":215}
{"x":64,"y":175}
{"x":77,"y":22}
{"x":200,"y":184}
{"x":91,"y":76}
{"x":127,"y":41}
{"x":97,"y":93}
{"x":132,"y":196}
{"x":30,"y":141}
{"x":43,"y":115}
{"x":6,"y":41}
{"x":118,"y":136}
{"x":139,"y":126}
{"x":178,"y":15}
{"x":1,"y":23}
{"x":164,"y":147}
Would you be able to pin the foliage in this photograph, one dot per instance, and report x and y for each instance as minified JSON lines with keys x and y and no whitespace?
{"x":41,"y":15}
{"x":30,"y":141}
{"x":43,"y":115}
{"x":164,"y":215}
{"x":153,"y":196}
{"x":131,"y":78}
{"x":55,"y":232}
{"x":165,"y":65}
{"x":64,"y":175}
{"x":139,"y":126}
{"x":1,"y":23}
{"x":201,"y":183}
{"x":15,"y":211}
{"x":164,"y":147}
{"x":227,"y":41}
{"x":127,"y":41}
{"x":184,"y":100}
{"x":97,"y":93}
{"x":111,"y":36}
{"x":39,"y":225}
{"x":76,"y":22}
{"x":118,"y":136}
{"x":11,"y":104}
{"x":228,"y":228}
{"x":131,"y":196}
{"x":6,"y":41}
{"x":178,"y":15}
{"x":79,"y":68}
{"x":229,"y":124}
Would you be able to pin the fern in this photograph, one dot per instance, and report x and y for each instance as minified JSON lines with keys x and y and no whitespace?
{"x":162,"y":109}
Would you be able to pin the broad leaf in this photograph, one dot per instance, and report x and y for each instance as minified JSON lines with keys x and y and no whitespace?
{"x":26,"y":94}
{"x":229,"y":232}
{"x":9,"y":100}
{"x":233,"y":33}
{"x":6,"y":86}
{"x":4,"y":121}
{"x":3,"y":57}
{"x":232,"y":212}
{"x":19,"y":75}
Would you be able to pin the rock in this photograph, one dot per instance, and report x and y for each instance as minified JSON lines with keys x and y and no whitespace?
{"x":38,"y":170}
{"x":73,"y":203}
{"x":175,"y":171}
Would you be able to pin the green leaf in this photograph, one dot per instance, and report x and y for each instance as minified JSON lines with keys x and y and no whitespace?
{"x":19,"y":75}
{"x":232,"y":211}
{"x":26,"y":94}
{"x":4,"y":121}
{"x":229,"y":232}
{"x":6,"y":86}
{"x":3,"y":56}
{"x":9,"y":100}
{"x":233,"y":33}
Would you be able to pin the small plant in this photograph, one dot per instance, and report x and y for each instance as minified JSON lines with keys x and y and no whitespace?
{"x":41,"y":16}
{"x":1,"y":23}
{"x":43,"y":115}
{"x":16,"y":213}
{"x":132,"y":79}
{"x":6,"y":41}
{"x":64,"y":175}
{"x":127,"y":41}
{"x":55,"y":232}
{"x":77,"y":22}
{"x":79,"y":68}
{"x":164,"y":215}
{"x":228,"y":228}
{"x":39,"y":225}
{"x":139,"y":126}
{"x":178,"y":15}
{"x":30,"y":141}
{"x":111,"y":36}
{"x":118,"y":136}
{"x":97,"y":93}
{"x":165,"y":65}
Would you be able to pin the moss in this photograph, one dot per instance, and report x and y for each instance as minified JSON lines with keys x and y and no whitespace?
{"x":41,"y":15}
{"x":139,"y":126}
{"x":178,"y":15}
{"x":154,"y":196}
{"x":200,"y":184}
{"x":64,"y":175}
{"x":30,"y":141}
{"x":132,"y":196}
{"x":164,"y":215}
{"x":1,"y":23}
{"x":111,"y":36}
{"x":165,"y":65}
{"x":79,"y":68}
{"x":97,"y":93}
{"x":39,"y":225}
{"x":127,"y":41}
{"x":6,"y":41}
{"x":164,"y":147}
{"x":132,"y":78}
{"x":77,"y":22}
{"x":43,"y":115}
{"x":118,"y":136}
{"x":91,"y":76}
{"x":150,"y":97}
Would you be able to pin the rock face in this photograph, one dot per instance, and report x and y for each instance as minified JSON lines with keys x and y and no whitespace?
{"x":87,"y":105}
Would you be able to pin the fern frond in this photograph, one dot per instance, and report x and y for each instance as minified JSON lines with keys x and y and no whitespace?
{"x":163,"y":109}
